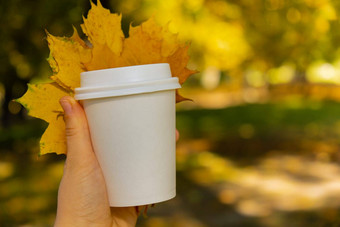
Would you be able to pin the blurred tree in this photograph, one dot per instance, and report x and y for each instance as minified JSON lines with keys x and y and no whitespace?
{"x":251,"y":36}
{"x":23,"y":44}
{"x":257,"y":42}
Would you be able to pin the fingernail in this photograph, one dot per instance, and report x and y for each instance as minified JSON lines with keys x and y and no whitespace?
{"x":66,"y":105}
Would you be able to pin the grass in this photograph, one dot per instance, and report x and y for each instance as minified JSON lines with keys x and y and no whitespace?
{"x":236,"y":140}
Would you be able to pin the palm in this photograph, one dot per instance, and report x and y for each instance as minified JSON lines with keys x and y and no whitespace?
{"x":82,"y":192}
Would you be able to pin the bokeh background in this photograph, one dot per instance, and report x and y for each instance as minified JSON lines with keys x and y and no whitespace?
{"x":259,"y":144}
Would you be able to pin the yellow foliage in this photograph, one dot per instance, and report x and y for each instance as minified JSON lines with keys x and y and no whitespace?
{"x":66,"y":58}
{"x":102,"y":27}
{"x":54,"y":140}
{"x":42,"y":100}
{"x":215,"y":41}
{"x":148,"y":43}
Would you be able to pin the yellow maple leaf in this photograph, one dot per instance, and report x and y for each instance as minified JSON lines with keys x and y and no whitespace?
{"x":66,"y":59}
{"x":147,"y":43}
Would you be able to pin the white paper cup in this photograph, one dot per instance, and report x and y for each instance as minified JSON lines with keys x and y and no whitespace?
{"x":131,"y":115}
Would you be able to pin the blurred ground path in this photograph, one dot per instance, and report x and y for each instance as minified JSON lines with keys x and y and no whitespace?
{"x":234,"y":94}
{"x":272,"y":192}
{"x":274,"y":164}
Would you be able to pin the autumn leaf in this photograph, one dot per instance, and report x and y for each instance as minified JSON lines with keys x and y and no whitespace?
{"x":102,"y":27}
{"x":53,"y":140}
{"x":69,"y":56}
{"x":42,"y":101}
{"x":66,"y":59}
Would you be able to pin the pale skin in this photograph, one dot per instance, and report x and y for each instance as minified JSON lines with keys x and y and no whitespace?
{"x":82,"y":195}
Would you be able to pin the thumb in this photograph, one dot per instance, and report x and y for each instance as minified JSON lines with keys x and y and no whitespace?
{"x":77,"y":132}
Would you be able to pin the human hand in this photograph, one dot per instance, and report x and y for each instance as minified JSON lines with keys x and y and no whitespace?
{"x":82,"y":195}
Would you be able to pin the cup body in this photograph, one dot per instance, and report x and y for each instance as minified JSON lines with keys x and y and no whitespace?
{"x":133,"y":136}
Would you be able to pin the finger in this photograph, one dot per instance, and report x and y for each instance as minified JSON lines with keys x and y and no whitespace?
{"x":77,"y":132}
{"x":177,"y":135}
{"x":124,"y":216}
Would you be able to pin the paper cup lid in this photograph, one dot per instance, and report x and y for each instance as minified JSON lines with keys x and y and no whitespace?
{"x":126,"y":81}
